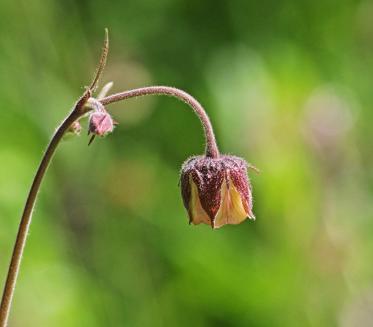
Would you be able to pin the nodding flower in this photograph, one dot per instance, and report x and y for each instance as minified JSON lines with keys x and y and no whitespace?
{"x":216,"y":191}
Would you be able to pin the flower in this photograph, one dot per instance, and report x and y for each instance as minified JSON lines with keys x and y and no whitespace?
{"x":100,"y":122}
{"x":216,"y":191}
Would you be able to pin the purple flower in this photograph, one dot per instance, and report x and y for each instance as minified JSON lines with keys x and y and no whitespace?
{"x":100,"y":123}
{"x":216,"y":191}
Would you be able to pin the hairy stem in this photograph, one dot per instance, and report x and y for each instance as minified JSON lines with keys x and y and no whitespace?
{"x":212,"y":150}
{"x":79,"y":110}
{"x":24,"y":225}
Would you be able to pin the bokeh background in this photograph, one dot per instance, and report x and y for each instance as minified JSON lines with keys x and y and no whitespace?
{"x":288,"y":86}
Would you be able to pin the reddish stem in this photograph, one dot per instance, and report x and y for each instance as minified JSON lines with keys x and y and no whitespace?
{"x":212,"y":150}
{"x":24,"y":225}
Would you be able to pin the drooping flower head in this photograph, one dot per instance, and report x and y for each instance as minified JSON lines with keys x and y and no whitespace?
{"x":216,"y":191}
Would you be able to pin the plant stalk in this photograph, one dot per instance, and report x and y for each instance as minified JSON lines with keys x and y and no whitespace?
{"x":24,"y":225}
{"x":212,"y":150}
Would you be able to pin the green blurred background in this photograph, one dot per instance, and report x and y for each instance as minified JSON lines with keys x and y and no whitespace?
{"x":288,"y":86}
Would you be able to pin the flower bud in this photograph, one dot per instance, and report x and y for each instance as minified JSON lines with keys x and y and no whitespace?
{"x":75,"y":128}
{"x":216,"y":191}
{"x":100,"y":123}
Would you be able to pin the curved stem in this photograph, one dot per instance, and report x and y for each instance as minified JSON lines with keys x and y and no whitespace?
{"x":78,"y":111}
{"x":24,"y":225}
{"x":212,"y":150}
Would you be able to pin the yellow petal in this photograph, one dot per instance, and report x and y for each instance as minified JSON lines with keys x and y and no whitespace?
{"x":197,"y":213}
{"x":231,"y":209}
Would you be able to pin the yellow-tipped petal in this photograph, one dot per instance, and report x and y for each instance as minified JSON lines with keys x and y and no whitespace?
{"x":197,"y":213}
{"x":231,"y":210}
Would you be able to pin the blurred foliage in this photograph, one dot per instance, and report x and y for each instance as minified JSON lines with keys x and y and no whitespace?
{"x":288,"y":86}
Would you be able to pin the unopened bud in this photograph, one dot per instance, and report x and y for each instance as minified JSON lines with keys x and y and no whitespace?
{"x":73,"y":130}
{"x":100,"y":123}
